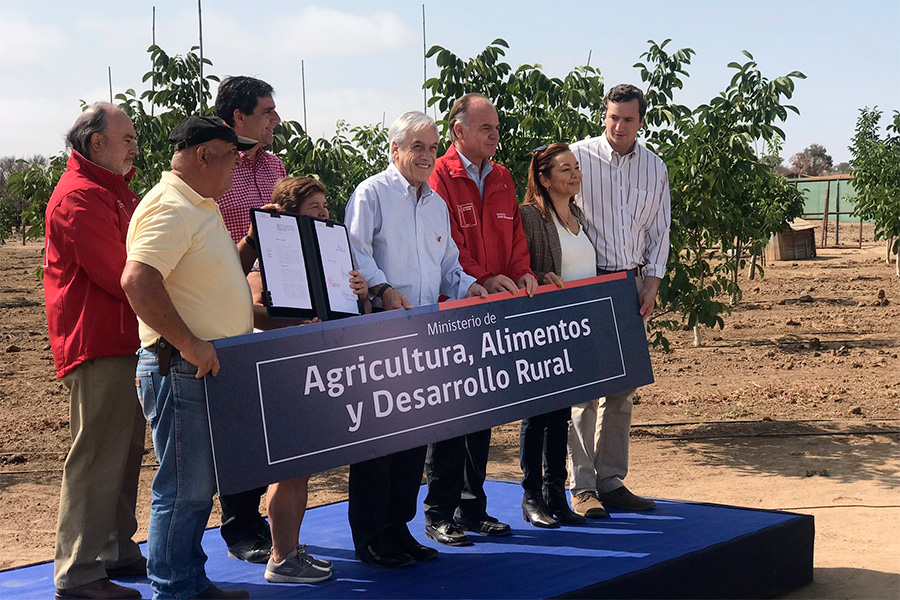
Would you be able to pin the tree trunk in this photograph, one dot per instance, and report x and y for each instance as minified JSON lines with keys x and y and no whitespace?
{"x":897,"y":265}
{"x":698,"y":339}
{"x":738,"y":248}
{"x":752,"y":267}
{"x":889,"y":243}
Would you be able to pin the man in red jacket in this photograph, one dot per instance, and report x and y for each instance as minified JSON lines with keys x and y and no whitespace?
{"x":487,"y":229}
{"x":94,"y":337}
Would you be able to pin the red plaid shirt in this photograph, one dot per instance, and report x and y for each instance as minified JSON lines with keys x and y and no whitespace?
{"x":251,"y":187}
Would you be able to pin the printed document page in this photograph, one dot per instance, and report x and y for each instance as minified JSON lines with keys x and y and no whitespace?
{"x":282,"y":256}
{"x":334,"y":248}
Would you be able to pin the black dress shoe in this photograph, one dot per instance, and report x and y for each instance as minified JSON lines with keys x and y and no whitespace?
{"x":486,"y":525}
{"x":407,"y":543}
{"x":254,"y":549}
{"x":447,"y":533}
{"x":137,"y":568}
{"x":622,"y":498}
{"x":534,"y":512}
{"x":383,"y":553}
{"x":555,"y":501}
{"x":214,"y":593}
{"x":101,"y":588}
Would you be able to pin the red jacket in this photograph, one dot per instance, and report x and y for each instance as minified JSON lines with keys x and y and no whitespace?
{"x":488,"y":233}
{"x":88,"y":315}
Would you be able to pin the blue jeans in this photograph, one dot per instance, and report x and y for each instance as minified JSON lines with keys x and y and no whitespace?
{"x":175,"y":407}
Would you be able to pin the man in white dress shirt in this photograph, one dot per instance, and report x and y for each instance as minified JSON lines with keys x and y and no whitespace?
{"x":625,"y":199}
{"x":399,"y":230}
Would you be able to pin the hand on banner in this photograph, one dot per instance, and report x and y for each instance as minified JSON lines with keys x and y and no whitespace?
{"x":552,"y":277}
{"x":392,"y":300}
{"x":500,"y":283}
{"x":529,"y":283}
{"x":477,"y":290}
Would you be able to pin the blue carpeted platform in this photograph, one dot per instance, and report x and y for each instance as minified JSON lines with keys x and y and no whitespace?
{"x":679,"y":549}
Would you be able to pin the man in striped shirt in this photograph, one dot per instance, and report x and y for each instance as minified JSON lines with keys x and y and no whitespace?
{"x":625,"y":199}
{"x":246,"y":104}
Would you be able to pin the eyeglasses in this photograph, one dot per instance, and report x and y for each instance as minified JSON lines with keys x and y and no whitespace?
{"x":540,"y":149}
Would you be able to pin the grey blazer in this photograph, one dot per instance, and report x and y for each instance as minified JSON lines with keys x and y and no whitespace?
{"x":543,"y":241}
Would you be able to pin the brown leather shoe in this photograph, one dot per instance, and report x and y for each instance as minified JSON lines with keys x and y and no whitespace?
{"x":588,"y":505}
{"x":622,"y":498}
{"x":101,"y":588}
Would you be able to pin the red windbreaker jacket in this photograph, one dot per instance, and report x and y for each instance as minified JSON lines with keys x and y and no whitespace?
{"x":88,"y":315}
{"x":488,"y":233}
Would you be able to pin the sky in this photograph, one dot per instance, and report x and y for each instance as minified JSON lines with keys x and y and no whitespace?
{"x":364,"y":64}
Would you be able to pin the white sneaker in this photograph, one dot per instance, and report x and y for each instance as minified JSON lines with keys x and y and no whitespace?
{"x":296,"y":568}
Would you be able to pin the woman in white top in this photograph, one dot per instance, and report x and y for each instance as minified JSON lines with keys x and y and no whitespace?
{"x":560,"y":251}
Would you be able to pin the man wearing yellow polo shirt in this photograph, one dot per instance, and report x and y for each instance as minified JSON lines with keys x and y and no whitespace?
{"x":186,"y":281}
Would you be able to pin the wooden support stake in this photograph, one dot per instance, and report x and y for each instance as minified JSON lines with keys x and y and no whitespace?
{"x":825,"y":217}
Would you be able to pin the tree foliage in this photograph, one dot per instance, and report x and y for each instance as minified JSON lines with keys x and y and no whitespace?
{"x":876,"y":168}
{"x":725,"y":200}
{"x":533,"y":109}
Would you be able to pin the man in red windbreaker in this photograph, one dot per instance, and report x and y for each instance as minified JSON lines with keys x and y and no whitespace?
{"x":487,"y":229}
{"x":94,"y":337}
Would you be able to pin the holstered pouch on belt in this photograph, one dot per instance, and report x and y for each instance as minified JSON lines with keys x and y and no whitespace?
{"x":164,"y":353}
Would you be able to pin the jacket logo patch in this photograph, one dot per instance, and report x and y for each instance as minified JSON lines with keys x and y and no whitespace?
{"x":504,"y":216}
{"x":467,"y":217}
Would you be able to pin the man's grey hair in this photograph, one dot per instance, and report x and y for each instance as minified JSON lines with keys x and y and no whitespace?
{"x":89,"y":122}
{"x":408,"y":121}
{"x":459,"y":112}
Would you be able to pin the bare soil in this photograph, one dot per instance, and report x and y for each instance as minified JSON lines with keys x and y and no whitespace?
{"x":793,"y":405}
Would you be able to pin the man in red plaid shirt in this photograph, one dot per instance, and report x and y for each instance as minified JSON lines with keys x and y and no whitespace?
{"x":246,"y":104}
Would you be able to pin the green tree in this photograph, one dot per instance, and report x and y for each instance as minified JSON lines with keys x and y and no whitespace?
{"x":341,"y":163}
{"x":723,"y":195}
{"x":12,"y":205}
{"x":36,"y":184}
{"x":876,"y":168}
{"x":533,"y":109}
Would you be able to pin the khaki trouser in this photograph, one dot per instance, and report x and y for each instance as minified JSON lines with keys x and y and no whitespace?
{"x":598,"y":440}
{"x":100,"y":478}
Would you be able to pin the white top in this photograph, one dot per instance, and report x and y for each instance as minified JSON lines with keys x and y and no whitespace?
{"x":626,"y":202}
{"x":578,"y":257}
{"x":404,"y":241}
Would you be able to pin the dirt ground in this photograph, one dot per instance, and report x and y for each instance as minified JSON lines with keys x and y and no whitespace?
{"x":793,"y":406}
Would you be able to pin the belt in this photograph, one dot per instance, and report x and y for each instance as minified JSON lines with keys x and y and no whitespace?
{"x":636,"y":271}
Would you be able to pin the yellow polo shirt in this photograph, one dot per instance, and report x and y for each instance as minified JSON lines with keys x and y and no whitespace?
{"x":181,"y":234}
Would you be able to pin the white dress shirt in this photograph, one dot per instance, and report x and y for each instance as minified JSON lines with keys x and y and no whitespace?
{"x":626,"y":202}
{"x":403,"y":240}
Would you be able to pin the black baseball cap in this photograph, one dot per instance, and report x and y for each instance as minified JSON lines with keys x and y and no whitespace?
{"x":196,"y":130}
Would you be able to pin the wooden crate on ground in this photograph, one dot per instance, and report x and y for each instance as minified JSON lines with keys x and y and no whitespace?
{"x":796,"y":243}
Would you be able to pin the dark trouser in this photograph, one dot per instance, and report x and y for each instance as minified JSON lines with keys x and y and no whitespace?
{"x":456,"y":469}
{"x":240,"y":516}
{"x":542,"y":441}
{"x":383,"y":494}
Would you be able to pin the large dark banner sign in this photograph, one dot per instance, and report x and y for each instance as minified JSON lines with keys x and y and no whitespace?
{"x":301,"y":400}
